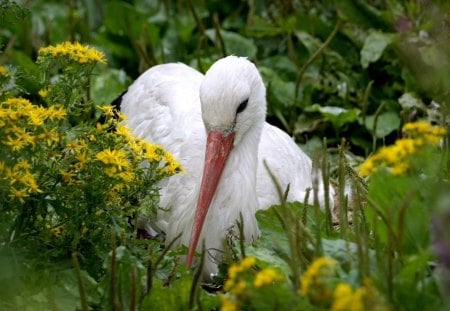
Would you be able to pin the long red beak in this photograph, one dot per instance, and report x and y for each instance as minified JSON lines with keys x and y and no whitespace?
{"x":218,"y":148}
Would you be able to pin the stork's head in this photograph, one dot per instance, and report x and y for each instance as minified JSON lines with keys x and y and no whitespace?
{"x":232,"y":96}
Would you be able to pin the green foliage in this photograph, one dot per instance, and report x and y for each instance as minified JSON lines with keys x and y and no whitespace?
{"x":352,"y":71}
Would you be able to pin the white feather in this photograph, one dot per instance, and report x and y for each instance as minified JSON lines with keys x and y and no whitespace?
{"x":163,"y":106}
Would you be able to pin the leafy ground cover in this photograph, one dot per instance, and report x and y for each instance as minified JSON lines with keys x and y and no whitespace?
{"x":372,"y":78}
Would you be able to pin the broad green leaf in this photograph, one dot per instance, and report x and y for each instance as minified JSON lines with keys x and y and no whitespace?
{"x":336,"y":115}
{"x":280,"y":92}
{"x":401,"y":199}
{"x":124,"y":20}
{"x":234,"y":43}
{"x":28,"y":70}
{"x":387,"y":122}
{"x":107,"y":85}
{"x":410,"y":101}
{"x":374,"y":46}
{"x":309,"y":41}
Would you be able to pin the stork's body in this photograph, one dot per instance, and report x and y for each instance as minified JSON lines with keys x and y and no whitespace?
{"x":187,"y":113}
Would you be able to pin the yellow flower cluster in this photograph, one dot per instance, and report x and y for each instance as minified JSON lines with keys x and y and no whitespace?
{"x":116,"y":162}
{"x":396,"y":157}
{"x":21,"y":181}
{"x":234,"y":285}
{"x":145,"y":150}
{"x":75,"y":51}
{"x":266,"y":277}
{"x":316,"y":281}
{"x":240,"y":284}
{"x":236,"y":269}
{"x":319,"y":269}
{"x":4,"y":72}
{"x":23,"y":124}
{"x":361,"y":299}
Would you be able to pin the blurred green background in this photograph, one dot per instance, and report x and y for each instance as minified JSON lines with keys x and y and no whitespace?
{"x":337,"y":69}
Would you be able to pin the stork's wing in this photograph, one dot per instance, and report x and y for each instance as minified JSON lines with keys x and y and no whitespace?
{"x":163,"y":106}
{"x":290,"y":166}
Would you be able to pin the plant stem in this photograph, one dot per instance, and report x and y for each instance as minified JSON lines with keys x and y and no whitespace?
{"x":314,"y":56}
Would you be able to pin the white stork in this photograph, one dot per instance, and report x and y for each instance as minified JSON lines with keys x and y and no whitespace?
{"x":214,"y":124}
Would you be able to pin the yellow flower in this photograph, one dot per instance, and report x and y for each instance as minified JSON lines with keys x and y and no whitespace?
{"x":418,"y":127}
{"x":321,"y":267}
{"x":397,"y":157}
{"x":342,"y":297}
{"x":127,"y":177}
{"x":114,"y":157}
{"x":16,"y":144}
{"x":241,"y":266}
{"x":56,"y":112}
{"x":266,"y":276}
{"x":75,"y":51}
{"x":152,"y":152}
{"x":18,"y":194}
{"x":49,"y":136}
{"x":82,"y":159}
{"x":367,"y":167}
{"x":108,"y":110}
{"x":361,"y":299}
{"x":124,"y":131}
{"x":22,"y":164}
{"x":29,"y":181}
{"x":234,"y":285}
{"x":43,"y":92}
{"x":67,"y":176}
{"x":238,"y":288}
{"x":18,"y":103}
{"x":226,"y":304}
{"x":4,"y":71}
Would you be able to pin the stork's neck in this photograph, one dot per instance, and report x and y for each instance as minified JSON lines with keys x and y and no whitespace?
{"x":236,"y":192}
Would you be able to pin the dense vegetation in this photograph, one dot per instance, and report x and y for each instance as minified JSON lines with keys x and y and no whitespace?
{"x":344,"y":78}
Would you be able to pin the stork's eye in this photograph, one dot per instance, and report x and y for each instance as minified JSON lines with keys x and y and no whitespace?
{"x":242,"y":106}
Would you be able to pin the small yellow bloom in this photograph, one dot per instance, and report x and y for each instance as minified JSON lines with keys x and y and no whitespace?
{"x":342,"y":297}
{"x":67,"y":176}
{"x":29,"y":181}
{"x":238,"y":288}
{"x":321,"y":267}
{"x":16,"y":144}
{"x":22,"y":164}
{"x":266,"y":276}
{"x":108,"y":110}
{"x":226,"y":304}
{"x":56,"y":112}
{"x":362,"y":299}
{"x":43,"y":93}
{"x":4,"y":71}
{"x":115,"y":157}
{"x":18,"y":194}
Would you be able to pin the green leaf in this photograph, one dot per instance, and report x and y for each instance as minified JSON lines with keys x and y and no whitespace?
{"x":374,"y":46}
{"x":387,"y":122}
{"x":336,"y":115}
{"x":410,"y":101}
{"x":281,"y":92}
{"x":310,"y":42}
{"x":261,"y":27}
{"x":234,"y":43}
{"x":107,"y":85}
{"x":123,"y":19}
{"x":401,"y":199}
{"x":28,"y":70}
